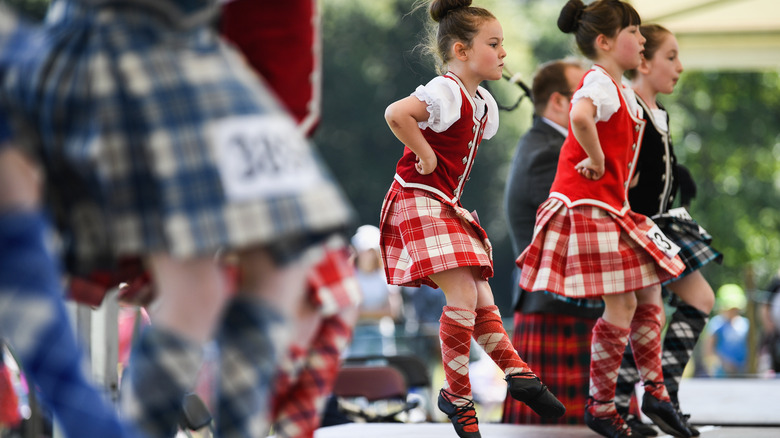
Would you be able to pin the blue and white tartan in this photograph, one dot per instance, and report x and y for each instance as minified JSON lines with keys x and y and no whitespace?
{"x":133,"y":109}
{"x":694,"y":242}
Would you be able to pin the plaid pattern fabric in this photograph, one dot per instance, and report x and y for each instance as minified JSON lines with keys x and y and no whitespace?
{"x":299,"y":404}
{"x":422,"y":235}
{"x":306,"y":376}
{"x":331,"y":282}
{"x":455,"y":330}
{"x":588,"y":252}
{"x":628,"y":376}
{"x":556,"y":347}
{"x":694,"y":242}
{"x":684,"y":329}
{"x":163,"y":368}
{"x":35,"y":323}
{"x":606,"y":349}
{"x":646,"y":343}
{"x":249,"y":342}
{"x":159,"y":138}
{"x":490,"y":335}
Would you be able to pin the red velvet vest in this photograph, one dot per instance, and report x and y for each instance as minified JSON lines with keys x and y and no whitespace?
{"x":620,"y":138}
{"x":455,"y":150}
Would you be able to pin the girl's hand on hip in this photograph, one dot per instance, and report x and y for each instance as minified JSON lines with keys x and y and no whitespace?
{"x":589,"y":169}
{"x":426,"y":165}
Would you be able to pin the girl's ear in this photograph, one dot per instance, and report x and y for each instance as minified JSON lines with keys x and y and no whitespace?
{"x":603,"y":42}
{"x":644,"y":66}
{"x":459,"y":50}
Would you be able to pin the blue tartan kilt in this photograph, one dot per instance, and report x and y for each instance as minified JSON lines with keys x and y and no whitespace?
{"x":694,"y":242}
{"x":157,"y":137}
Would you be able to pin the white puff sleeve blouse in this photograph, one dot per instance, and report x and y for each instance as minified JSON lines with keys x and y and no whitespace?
{"x":443,"y":97}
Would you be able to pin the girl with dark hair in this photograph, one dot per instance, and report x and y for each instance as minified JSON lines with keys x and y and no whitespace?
{"x":588,"y":243}
{"x":659,"y":182}
{"x":427,"y":237}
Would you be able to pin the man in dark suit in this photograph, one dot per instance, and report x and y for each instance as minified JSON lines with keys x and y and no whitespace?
{"x":551,"y":333}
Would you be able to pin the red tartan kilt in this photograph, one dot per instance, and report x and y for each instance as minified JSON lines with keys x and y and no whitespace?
{"x":587,"y":252}
{"x":332,"y":284}
{"x":421,"y":235}
{"x":557,"y":348}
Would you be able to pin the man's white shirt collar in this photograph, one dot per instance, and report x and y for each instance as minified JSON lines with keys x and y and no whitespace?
{"x":564,"y":131}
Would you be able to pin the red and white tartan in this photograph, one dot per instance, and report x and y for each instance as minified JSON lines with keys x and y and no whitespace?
{"x":585,"y":252}
{"x":421,"y":235}
{"x":332,"y":284}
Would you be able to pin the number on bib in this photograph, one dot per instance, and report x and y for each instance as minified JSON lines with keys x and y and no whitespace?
{"x":663,"y":242}
{"x":263,"y":156}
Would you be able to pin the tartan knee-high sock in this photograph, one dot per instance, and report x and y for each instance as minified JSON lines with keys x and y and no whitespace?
{"x":685,"y":327}
{"x":455,"y":328}
{"x":606,"y":352}
{"x":490,"y":334}
{"x":646,"y":343}
{"x":290,"y":368}
{"x":35,"y":323}
{"x":251,"y":341}
{"x":298,"y":410}
{"x":163,"y":368}
{"x":628,"y":375}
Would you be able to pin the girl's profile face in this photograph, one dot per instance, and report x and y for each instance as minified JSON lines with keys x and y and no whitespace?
{"x":486,"y":54}
{"x":663,"y":71}
{"x":628,"y":46}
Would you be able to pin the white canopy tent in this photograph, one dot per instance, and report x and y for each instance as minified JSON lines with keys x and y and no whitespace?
{"x":720,"y":34}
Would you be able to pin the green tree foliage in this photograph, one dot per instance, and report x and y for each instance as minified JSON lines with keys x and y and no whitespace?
{"x":725,"y":128}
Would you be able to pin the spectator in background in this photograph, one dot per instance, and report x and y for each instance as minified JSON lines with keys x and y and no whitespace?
{"x":552,"y":332}
{"x":381,"y":307}
{"x":726,"y":348}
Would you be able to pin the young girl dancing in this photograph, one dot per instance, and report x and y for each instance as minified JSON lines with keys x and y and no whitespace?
{"x":587,"y":241}
{"x":427,"y":237}
{"x":660,"y":178}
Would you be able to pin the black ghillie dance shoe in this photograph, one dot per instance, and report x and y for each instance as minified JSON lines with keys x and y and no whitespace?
{"x":464,"y":417}
{"x":527,"y":388}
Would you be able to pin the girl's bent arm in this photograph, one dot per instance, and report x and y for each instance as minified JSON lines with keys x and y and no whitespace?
{"x":402,"y":116}
{"x":582,"y":118}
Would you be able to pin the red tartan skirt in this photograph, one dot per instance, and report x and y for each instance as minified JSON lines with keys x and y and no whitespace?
{"x":422,"y":235}
{"x":557,"y":348}
{"x":332,"y":284}
{"x":587,"y":252}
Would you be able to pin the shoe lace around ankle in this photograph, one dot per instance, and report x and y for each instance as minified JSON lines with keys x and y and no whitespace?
{"x":467,"y":416}
{"x":466,"y":413}
{"x":616,"y":420}
{"x":524,"y":375}
{"x":621,"y":425}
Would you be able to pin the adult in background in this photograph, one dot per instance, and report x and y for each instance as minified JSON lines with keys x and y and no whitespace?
{"x":551,"y":332}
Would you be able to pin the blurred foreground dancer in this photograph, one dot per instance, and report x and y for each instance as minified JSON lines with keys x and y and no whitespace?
{"x":160,"y":143}
{"x":281,"y":42}
{"x":33,"y":318}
